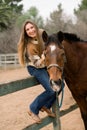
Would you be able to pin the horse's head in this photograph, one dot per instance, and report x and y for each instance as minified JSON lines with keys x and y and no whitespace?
{"x":54,"y":56}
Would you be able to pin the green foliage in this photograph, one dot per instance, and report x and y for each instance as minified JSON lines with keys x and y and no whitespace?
{"x":81,"y":7}
{"x":9,"y":10}
{"x":5,"y":14}
{"x":33,"y":15}
{"x":81,"y":12}
{"x":15,"y":6}
{"x":80,"y":26}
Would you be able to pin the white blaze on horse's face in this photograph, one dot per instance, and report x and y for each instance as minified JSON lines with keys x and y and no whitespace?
{"x":52,"y":47}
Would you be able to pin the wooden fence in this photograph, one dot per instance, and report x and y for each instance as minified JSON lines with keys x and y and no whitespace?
{"x":31,"y":82}
{"x":8,"y":59}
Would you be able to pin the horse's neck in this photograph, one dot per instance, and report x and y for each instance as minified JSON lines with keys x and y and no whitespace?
{"x":75,"y":67}
{"x":73,"y":59}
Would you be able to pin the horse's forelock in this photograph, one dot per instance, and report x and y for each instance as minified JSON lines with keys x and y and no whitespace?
{"x":52,"y":39}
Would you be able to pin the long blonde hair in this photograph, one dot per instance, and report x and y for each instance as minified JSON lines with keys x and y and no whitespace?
{"x":24,"y":40}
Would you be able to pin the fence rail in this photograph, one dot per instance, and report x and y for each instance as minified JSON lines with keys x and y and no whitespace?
{"x":7,"y":88}
{"x":8,"y":59}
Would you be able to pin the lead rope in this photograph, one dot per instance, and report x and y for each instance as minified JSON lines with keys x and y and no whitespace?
{"x":62,"y":95}
{"x":59,"y":92}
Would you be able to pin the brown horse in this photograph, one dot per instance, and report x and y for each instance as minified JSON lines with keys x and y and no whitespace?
{"x":66,"y":55}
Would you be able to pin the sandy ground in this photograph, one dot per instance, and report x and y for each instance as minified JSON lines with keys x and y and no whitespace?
{"x":13,"y":107}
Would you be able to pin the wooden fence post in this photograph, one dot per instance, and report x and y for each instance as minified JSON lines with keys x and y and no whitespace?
{"x":56,"y":121}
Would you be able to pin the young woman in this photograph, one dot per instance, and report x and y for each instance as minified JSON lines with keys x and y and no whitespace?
{"x":30,"y":50}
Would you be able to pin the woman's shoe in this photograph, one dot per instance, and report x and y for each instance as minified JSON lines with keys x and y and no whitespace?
{"x":48,"y":111}
{"x":35,"y":117}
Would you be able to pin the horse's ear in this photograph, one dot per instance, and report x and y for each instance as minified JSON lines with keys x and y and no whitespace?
{"x":60,"y":36}
{"x":44,"y":36}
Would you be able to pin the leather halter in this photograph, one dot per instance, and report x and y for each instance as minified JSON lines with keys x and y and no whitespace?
{"x":55,"y":65}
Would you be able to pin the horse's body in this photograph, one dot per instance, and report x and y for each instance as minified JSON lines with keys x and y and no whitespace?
{"x":75,"y":68}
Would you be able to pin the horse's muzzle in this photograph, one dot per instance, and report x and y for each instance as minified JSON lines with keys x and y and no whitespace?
{"x":56,"y":85}
{"x":58,"y":82}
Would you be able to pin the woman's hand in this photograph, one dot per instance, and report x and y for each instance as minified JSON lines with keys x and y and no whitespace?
{"x":38,"y":63}
{"x":43,"y":57}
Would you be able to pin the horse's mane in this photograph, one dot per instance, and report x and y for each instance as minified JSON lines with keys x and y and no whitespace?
{"x":57,"y":38}
{"x":71,"y":37}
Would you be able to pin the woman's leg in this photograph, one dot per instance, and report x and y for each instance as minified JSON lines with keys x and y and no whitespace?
{"x":40,"y":101}
{"x":46,"y":98}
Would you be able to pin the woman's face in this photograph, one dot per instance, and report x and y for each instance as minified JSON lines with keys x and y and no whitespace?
{"x":30,"y":30}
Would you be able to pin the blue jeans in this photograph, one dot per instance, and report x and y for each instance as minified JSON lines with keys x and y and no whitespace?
{"x":46,"y":98}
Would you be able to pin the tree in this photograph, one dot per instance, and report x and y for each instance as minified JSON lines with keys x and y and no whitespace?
{"x":4,"y":16}
{"x":33,"y":15}
{"x":81,"y":24}
{"x":15,"y":6}
{"x":81,"y":11}
{"x":8,"y":40}
{"x":81,"y":7}
{"x":8,"y":12}
{"x":57,"y":21}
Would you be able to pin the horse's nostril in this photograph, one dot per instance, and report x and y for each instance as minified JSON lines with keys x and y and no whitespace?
{"x":58,"y":82}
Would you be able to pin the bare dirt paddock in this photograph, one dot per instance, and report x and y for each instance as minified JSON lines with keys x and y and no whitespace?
{"x":13,"y":107}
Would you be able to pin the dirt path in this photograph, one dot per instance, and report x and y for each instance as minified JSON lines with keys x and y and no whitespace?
{"x":13,"y":107}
